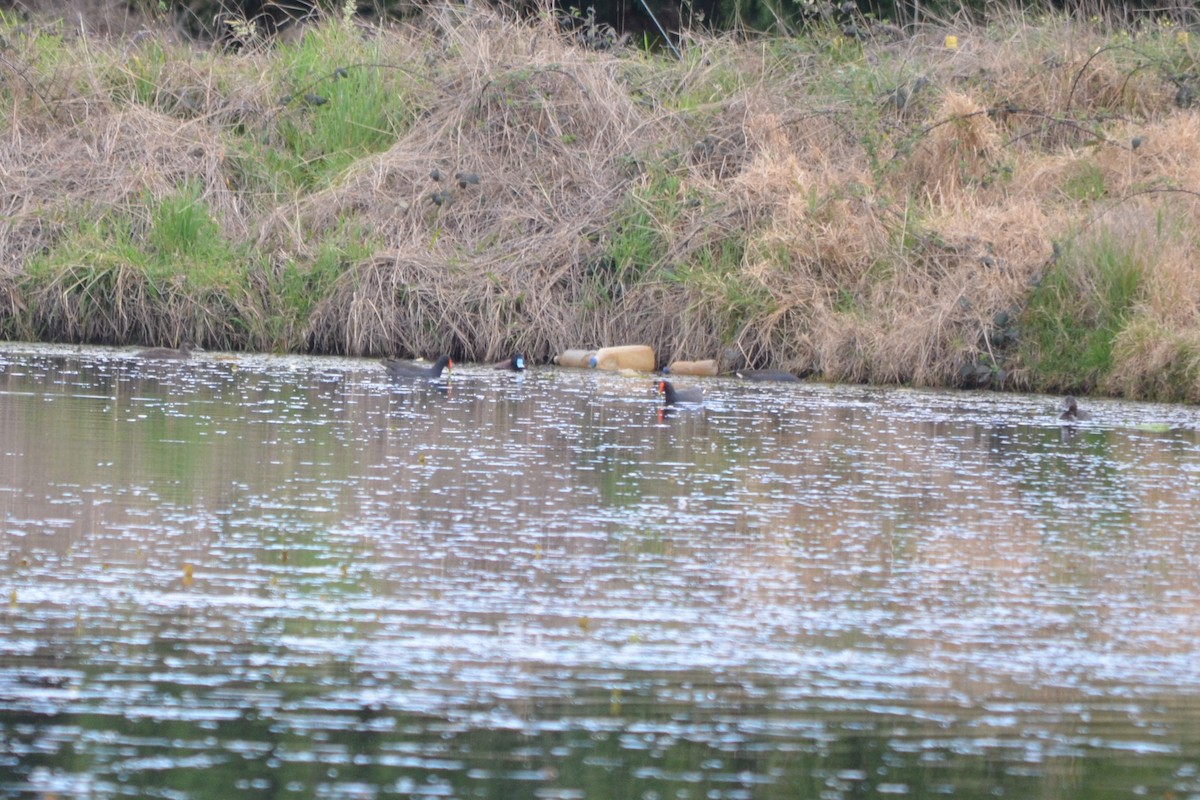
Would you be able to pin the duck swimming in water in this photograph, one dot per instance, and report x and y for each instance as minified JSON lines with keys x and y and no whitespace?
{"x":407,"y":369}
{"x":673,"y":396}
{"x":181,"y":353}
{"x":767,"y":375}
{"x":1071,"y":410}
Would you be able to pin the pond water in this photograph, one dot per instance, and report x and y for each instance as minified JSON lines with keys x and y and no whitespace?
{"x":262,"y":577}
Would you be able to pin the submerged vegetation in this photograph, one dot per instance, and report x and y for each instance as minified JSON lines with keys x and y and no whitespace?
{"x":1013,"y":205}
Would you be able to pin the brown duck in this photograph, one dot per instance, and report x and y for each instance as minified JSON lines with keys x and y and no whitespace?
{"x":1071,"y":410}
{"x":181,"y":353}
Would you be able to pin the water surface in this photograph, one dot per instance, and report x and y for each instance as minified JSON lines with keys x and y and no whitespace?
{"x":290,"y":577}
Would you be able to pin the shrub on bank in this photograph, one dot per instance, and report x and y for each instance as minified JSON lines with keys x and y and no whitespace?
{"x":1015,"y":211}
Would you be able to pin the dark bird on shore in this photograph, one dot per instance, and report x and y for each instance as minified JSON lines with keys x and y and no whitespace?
{"x":516,"y":363}
{"x":766,"y":375}
{"x":181,"y":353}
{"x":466,"y":179}
{"x":407,"y":369}
{"x":436,"y":174}
{"x":673,"y":396}
{"x":1071,"y":410}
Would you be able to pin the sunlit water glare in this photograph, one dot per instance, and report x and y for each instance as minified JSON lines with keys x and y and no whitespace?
{"x":273,"y":577}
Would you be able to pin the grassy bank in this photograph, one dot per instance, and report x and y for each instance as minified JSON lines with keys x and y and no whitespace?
{"x":1017,"y":211}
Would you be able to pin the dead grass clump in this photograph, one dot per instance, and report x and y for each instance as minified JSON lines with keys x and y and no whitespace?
{"x":897,"y":305}
{"x":905,"y":325}
{"x":1171,"y":294}
{"x":812,"y":237}
{"x":118,"y":157}
{"x":1166,"y":155}
{"x":996,"y":239}
{"x":1156,"y":353}
{"x":386,"y":303}
{"x":790,"y":156}
{"x":1156,"y":362}
{"x":844,"y":351}
{"x":1058,"y":82}
{"x":119,"y":303}
{"x":1120,"y":84}
{"x":506,"y":186}
{"x":836,"y":239}
{"x":405,"y":303}
{"x":958,"y":154}
{"x":88,"y":172}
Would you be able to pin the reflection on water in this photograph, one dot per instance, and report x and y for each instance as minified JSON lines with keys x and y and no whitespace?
{"x":284,"y":577}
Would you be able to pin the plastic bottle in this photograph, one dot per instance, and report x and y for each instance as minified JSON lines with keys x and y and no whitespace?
{"x":708,"y":367}
{"x":638,"y":357}
{"x":574,"y":358}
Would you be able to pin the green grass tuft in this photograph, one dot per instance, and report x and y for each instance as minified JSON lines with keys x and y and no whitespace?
{"x":1076,"y":313}
{"x":641,"y":234}
{"x":339,"y":101}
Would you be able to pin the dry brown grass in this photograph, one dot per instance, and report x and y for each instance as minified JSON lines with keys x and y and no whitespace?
{"x":787,"y":200}
{"x":493,"y":266}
